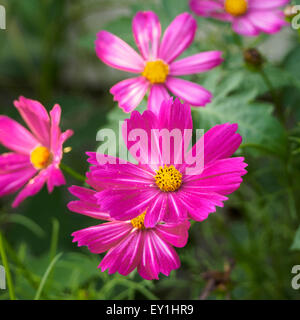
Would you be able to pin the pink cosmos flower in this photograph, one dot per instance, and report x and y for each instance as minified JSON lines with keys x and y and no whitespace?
{"x":129,"y":244}
{"x":248,"y":17}
{"x":162,"y":188}
{"x":35,"y":155}
{"x":155,"y":65}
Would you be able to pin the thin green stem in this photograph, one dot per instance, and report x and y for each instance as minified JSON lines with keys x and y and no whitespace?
{"x":45,"y":277}
{"x":54,"y":238}
{"x":237,"y":40}
{"x":27,"y":274}
{"x":7,"y":270}
{"x":72,"y":172}
{"x":274,"y":94}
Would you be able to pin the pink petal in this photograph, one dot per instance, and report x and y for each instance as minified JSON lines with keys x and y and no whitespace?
{"x":206,"y":7}
{"x":126,"y":204}
{"x":158,"y":256}
{"x":125,"y":256}
{"x":190,"y":92}
{"x":116,"y":174}
{"x":158,"y":129}
{"x":197,"y":63}
{"x":149,"y":154}
{"x":158,"y":93}
{"x":199,"y":206}
{"x":32,"y":187}
{"x":117,"y":53}
{"x":55,"y":179}
{"x":13,"y":162}
{"x":266,"y":21}
{"x":58,"y":150}
{"x":232,"y":167}
{"x":15,"y":137}
{"x":267,"y":4}
{"x":175,"y":115}
{"x":130,"y":92}
{"x":146,"y":30}
{"x":178,"y":36}
{"x":65,"y":136}
{"x":201,"y":194}
{"x":36,"y":117}
{"x":210,"y":8}
{"x":102,"y":237}
{"x":244,"y":26}
{"x":55,"y":114}
{"x":175,"y":234}
{"x":82,"y":193}
{"x":87,"y":205}
{"x":121,"y":176}
{"x":94,"y":158}
{"x":12,"y":181}
{"x":175,"y":212}
{"x":156,"y":211}
{"x":220,"y":142}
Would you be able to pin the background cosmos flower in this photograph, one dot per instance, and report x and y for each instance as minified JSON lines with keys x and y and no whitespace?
{"x":248,"y":17}
{"x":163,"y":189}
{"x":35,"y":155}
{"x":129,"y":244}
{"x":156,"y":66}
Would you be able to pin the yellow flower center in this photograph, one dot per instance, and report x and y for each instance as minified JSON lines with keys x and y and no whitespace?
{"x":156,"y":71}
{"x":138,"y":222}
{"x":40,"y":157}
{"x":168,"y":178}
{"x":236,"y":7}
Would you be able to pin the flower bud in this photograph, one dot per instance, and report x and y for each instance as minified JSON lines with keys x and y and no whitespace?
{"x":253,"y":58}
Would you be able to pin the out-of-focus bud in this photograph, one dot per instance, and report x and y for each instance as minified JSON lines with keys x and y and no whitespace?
{"x":218,"y":280}
{"x":289,"y":12}
{"x":253,"y":58}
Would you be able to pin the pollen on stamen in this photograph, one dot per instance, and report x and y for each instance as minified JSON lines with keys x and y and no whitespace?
{"x":40,"y":157}
{"x":156,"y":71}
{"x":138,"y":222}
{"x":168,"y":178}
{"x":236,"y":7}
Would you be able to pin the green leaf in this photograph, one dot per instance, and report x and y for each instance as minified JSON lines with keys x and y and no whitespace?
{"x":279,"y":78}
{"x":257,"y":126}
{"x":296,"y":243}
{"x":24,"y":221}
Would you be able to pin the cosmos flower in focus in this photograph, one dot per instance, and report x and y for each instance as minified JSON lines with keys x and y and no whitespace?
{"x":155,"y":65}
{"x":248,"y":17}
{"x":35,"y":155}
{"x":162,"y":187}
{"x":129,"y":244}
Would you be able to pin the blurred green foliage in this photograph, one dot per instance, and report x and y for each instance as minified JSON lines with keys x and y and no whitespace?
{"x":47,"y":53}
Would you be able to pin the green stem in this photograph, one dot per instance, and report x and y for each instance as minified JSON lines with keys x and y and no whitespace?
{"x":274,"y":94}
{"x":7,"y":270}
{"x":72,"y":172}
{"x":237,"y":40}
{"x":45,"y":277}
{"x":54,"y":238}
{"x":34,"y":281}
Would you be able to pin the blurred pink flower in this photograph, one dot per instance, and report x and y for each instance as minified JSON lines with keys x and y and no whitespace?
{"x":162,"y":188}
{"x":35,"y":155}
{"x":129,"y":244}
{"x":156,"y":66}
{"x":248,"y":17}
